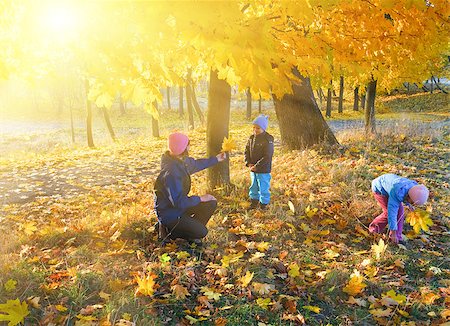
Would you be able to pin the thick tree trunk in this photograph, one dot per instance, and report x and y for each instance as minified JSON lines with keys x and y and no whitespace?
{"x":260,"y":104}
{"x":197,"y":108}
{"x":248,"y":114}
{"x":341,"y":95}
{"x":180,"y":102}
{"x":300,"y":120}
{"x":121,"y":105}
{"x":370,"y":107}
{"x":90,"y":139}
{"x":356,"y":99}
{"x":328,"y":112}
{"x":363,"y":100}
{"x":218,"y":119}
{"x":108,"y":123}
{"x":155,"y":122}
{"x":189,"y":104}
{"x":168,"y":98}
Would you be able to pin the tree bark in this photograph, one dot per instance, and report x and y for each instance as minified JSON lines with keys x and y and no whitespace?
{"x":260,"y":104}
{"x":370,"y":107}
{"x":155,"y":122}
{"x":217,"y":127}
{"x":356,"y":99}
{"x":328,"y":112}
{"x":189,"y":103}
{"x":363,"y":100}
{"x":248,"y":114}
{"x":341,"y":95}
{"x":168,"y":98}
{"x":90,"y":138}
{"x":108,"y":123}
{"x":197,"y":108}
{"x":180,"y":102}
{"x":300,"y":120}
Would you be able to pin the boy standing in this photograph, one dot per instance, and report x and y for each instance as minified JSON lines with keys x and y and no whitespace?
{"x":258,"y":157}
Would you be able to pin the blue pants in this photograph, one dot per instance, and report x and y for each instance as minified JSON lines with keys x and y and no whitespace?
{"x":260,"y":187}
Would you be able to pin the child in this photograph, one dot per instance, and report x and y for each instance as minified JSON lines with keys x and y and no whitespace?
{"x":180,"y":215}
{"x":258,"y":157}
{"x":391,"y":191}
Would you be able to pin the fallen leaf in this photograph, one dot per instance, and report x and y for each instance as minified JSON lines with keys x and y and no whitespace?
{"x":356,"y":284}
{"x":13,"y":311}
{"x":312,"y":308}
{"x":180,"y":292}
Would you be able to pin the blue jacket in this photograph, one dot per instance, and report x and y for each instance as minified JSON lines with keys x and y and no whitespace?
{"x":173,"y":184}
{"x":259,"y":151}
{"x":396,"y":189}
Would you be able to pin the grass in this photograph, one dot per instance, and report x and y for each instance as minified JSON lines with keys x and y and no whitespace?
{"x":88,"y":249}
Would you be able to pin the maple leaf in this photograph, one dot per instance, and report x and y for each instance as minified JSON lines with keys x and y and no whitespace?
{"x":356,"y":284}
{"x":381,"y":313}
{"x":398,"y":298}
{"x":429,"y":298}
{"x":210,"y":293}
{"x":13,"y":311}
{"x":228,"y":144}
{"x":312,"y":308}
{"x":146,"y":285}
{"x":246,"y":279}
{"x":10,"y":285}
{"x":262,"y":246}
{"x":419,"y":219}
{"x":359,"y":302}
{"x":227,"y":260}
{"x":293,"y":270}
{"x":29,"y":227}
{"x":180,"y":291}
{"x":379,"y":249}
{"x":310,"y":212}
{"x":263,"y":303}
{"x":263,"y":288}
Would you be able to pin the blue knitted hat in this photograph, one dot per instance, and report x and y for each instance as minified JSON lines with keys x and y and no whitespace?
{"x":262,"y":121}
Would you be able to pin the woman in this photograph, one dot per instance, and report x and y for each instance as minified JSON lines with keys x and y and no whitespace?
{"x":181,"y":215}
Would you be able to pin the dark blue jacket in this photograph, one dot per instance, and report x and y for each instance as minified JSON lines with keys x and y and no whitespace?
{"x":259,"y":151}
{"x":173,"y":184}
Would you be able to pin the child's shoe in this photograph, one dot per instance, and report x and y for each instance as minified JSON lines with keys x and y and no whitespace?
{"x":254,"y":204}
{"x":264,"y":207}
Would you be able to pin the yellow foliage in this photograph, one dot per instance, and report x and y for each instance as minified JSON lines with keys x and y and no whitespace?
{"x":228,"y":145}
{"x":13,"y":311}
{"x":419,"y":219}
{"x":180,"y":292}
{"x":356,"y":284}
{"x":379,"y":249}
{"x":294,"y":270}
{"x":146,"y":285}
{"x":312,"y":308}
{"x":246,"y":279}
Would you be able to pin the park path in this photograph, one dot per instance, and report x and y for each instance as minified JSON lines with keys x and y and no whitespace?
{"x":65,"y":177}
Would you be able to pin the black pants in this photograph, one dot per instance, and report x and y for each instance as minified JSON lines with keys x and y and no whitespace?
{"x":192,"y":224}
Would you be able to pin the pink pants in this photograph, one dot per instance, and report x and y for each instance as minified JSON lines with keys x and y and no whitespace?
{"x":381,"y":221}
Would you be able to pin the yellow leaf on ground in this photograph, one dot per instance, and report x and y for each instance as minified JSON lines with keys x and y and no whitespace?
{"x":10,"y":285}
{"x":227,"y":260}
{"x":291,"y":206}
{"x":312,"y":308}
{"x":445,"y":313}
{"x":263,"y":246}
{"x":180,"y":292}
{"x":146,"y":285}
{"x":263,"y":303}
{"x":379,"y":249}
{"x":381,"y":313}
{"x":210,"y":293}
{"x":29,"y":227}
{"x":399,"y":298}
{"x":359,"y":302}
{"x":246,"y":279}
{"x":294,"y":270}
{"x":262,"y":288}
{"x":13,"y":311}
{"x":429,"y":298}
{"x":356,"y":284}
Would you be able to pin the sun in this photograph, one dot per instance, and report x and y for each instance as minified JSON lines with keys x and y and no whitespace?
{"x":59,"y":21}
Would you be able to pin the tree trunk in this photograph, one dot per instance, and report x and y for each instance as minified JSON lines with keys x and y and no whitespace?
{"x":90,"y":139}
{"x":180,"y":102}
{"x":121,"y":105}
{"x":168,"y":98}
{"x":356,"y":99}
{"x":260,"y":104}
{"x":328,"y":112}
{"x":300,"y":120}
{"x":341,"y":95}
{"x":197,"y":108}
{"x":218,"y":119}
{"x":363,"y":100}
{"x":248,"y":114}
{"x":189,"y":103}
{"x":155,"y":122}
{"x":72,"y":129}
{"x":431,"y":85}
{"x":370,"y":107}
{"x":108,"y":123}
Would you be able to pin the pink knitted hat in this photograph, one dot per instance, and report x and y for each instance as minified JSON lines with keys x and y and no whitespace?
{"x":419,"y":194}
{"x":177,"y":143}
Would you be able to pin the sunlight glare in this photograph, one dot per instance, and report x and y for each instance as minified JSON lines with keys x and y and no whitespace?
{"x":60,"y":22}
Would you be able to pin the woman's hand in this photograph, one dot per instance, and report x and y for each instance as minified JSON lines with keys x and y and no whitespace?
{"x":207,"y":197}
{"x":221,"y":156}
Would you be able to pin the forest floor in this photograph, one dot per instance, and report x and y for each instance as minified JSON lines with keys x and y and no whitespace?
{"x":79,"y":247}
